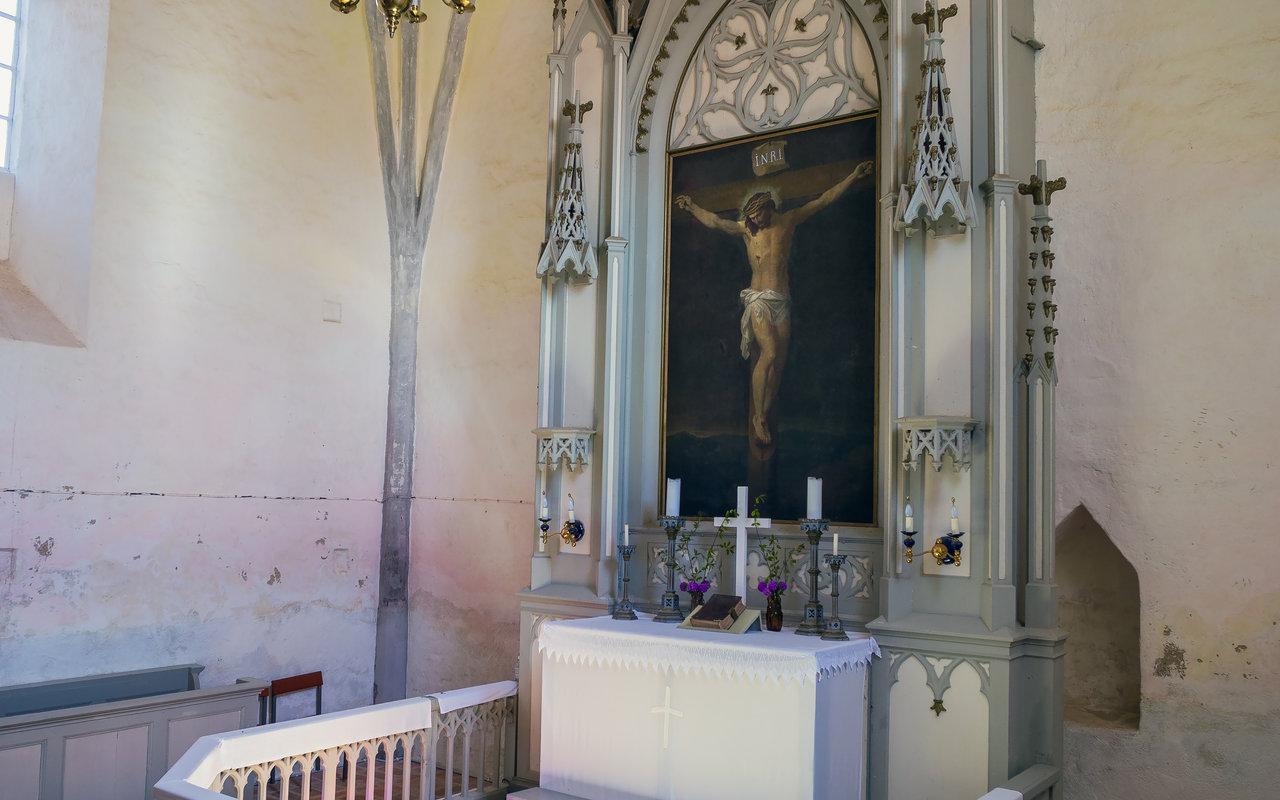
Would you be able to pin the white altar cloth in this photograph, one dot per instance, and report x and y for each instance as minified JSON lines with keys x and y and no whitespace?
{"x":643,"y":710}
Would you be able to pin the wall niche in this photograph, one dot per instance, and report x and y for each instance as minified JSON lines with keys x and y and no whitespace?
{"x":1098,"y":607}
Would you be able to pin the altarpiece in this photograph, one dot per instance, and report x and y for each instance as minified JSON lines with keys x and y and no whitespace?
{"x":798,"y":237}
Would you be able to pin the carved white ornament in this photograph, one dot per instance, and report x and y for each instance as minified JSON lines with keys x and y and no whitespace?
{"x":937,"y":437}
{"x":771,"y":64}
{"x":936,"y":195}
{"x":570,"y":254}
{"x":567,"y":447}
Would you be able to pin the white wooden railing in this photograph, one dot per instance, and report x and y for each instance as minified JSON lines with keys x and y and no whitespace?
{"x":440,"y":747}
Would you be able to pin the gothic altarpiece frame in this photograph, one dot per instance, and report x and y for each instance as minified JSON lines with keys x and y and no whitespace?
{"x":968,"y":695}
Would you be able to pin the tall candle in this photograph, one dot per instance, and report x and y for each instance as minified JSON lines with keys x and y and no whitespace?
{"x":626,"y":534}
{"x":955,"y":516}
{"x":673,"y":497}
{"x":572,"y":517}
{"x":545,"y":511}
{"x":835,"y":544}
{"x":910,"y":514}
{"x":814,"y":510}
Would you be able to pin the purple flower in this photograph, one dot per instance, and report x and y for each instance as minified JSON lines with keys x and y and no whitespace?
{"x":773,"y":586}
{"x":684,"y":586}
{"x":763,"y":587}
{"x":706,"y":586}
{"x":782,"y":586}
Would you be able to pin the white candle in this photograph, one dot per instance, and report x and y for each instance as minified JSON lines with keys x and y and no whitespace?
{"x":572,"y":518}
{"x":545,"y":511}
{"x":910,"y":514}
{"x":955,"y":516}
{"x":835,"y":544}
{"x":626,"y":534}
{"x":815,"y":498}
{"x":673,"y":497}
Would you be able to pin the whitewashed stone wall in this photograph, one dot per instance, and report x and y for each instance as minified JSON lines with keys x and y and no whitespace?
{"x":200,"y":480}
{"x":1163,"y":117}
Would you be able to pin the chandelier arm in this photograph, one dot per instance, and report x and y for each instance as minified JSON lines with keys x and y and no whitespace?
{"x":382,"y":103}
{"x":441,"y":111}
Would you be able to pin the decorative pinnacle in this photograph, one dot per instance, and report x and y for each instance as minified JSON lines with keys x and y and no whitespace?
{"x":932,"y":19}
{"x":344,"y":6}
{"x":576,"y":113}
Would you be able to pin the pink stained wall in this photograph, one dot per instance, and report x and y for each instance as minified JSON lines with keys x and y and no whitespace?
{"x":200,"y":480}
{"x":478,"y":360}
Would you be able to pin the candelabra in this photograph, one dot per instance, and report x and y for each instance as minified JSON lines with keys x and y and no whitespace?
{"x":946,"y":549}
{"x":394,"y":10}
{"x":670,"y":611}
{"x":812,"y":625}
{"x":624,"y":609}
{"x":833,"y":629}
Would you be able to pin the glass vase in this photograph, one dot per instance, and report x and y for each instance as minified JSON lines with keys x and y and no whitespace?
{"x":695,"y":600}
{"x":773,"y":612}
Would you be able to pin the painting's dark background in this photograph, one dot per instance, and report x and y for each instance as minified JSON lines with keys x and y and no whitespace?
{"x":825,"y":413}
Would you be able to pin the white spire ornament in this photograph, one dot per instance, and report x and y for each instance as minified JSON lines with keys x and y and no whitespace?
{"x":570,"y":253}
{"x":937,"y":197}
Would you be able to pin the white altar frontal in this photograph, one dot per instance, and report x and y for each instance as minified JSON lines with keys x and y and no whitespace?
{"x":647,"y":710}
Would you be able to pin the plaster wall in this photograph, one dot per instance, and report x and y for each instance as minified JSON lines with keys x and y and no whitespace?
{"x":473,"y":523}
{"x":200,"y":480}
{"x":1163,"y":116}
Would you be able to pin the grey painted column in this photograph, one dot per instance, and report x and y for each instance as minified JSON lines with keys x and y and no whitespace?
{"x":999,"y":593}
{"x":409,"y":212}
{"x":616,"y":246}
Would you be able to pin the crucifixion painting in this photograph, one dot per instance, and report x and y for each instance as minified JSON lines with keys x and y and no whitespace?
{"x":790,"y":254}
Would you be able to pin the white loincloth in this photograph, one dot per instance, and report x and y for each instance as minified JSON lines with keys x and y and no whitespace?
{"x":768,"y":304}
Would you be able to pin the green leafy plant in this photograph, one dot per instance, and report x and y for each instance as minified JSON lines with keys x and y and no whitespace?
{"x":781,"y":561}
{"x":699,"y":563}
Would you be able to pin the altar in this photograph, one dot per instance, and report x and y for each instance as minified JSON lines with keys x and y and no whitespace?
{"x":639,"y":709}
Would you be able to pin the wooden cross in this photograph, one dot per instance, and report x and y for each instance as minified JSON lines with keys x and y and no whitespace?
{"x":932,"y":19}
{"x":742,"y":521}
{"x":667,"y":713}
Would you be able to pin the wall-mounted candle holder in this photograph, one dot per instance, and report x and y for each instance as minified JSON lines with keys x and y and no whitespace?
{"x":573,"y":529}
{"x":946,"y":549}
{"x":572,"y":532}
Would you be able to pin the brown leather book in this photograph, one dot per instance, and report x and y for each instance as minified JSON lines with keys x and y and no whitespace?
{"x":719,"y":612}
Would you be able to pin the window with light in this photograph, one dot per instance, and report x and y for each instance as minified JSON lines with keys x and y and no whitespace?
{"x":8,"y":74}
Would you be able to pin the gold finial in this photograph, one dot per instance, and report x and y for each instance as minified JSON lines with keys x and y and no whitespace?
{"x":461,"y":6}
{"x":416,"y":15}
{"x":932,"y":19}
{"x":393,"y":10}
{"x":1042,"y":191}
{"x":927,"y":18}
{"x":575,"y":113}
{"x":344,"y":6}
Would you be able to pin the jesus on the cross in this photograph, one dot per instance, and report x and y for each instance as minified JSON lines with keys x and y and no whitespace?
{"x":768,"y":231}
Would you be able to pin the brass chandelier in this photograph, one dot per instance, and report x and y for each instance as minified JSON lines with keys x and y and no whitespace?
{"x":394,"y":10}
